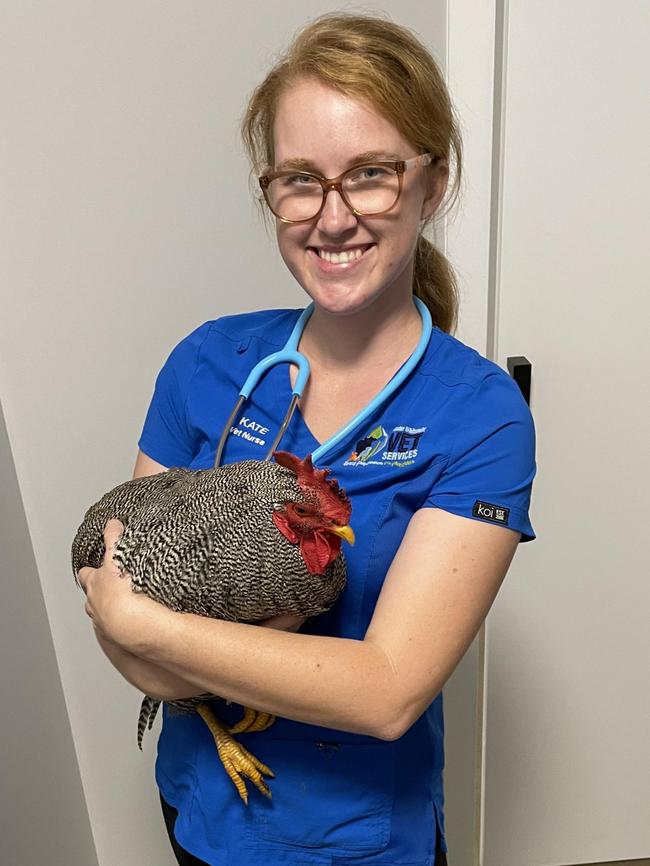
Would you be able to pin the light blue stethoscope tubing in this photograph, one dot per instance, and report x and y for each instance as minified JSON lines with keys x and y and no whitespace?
{"x":290,"y":355}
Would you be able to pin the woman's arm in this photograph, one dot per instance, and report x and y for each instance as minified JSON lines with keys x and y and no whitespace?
{"x":148,"y":678}
{"x":436,"y":594}
{"x":158,"y":682}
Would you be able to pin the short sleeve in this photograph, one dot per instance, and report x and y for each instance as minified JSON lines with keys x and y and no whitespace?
{"x":491,"y":466}
{"x":167,"y":437}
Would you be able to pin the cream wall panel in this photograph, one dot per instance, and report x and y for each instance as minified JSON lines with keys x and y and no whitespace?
{"x":568,"y":701}
{"x":42,"y":805}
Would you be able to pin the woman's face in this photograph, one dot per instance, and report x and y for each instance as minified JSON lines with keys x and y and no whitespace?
{"x":331,"y":131}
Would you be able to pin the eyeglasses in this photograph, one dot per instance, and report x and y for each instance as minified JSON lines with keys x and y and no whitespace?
{"x":368,"y":190}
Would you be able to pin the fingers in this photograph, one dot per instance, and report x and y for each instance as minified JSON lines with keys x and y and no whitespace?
{"x":284,"y":622}
{"x":112,"y":532}
{"x":82,"y":576}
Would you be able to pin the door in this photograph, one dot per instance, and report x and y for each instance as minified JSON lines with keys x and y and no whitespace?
{"x":567,"y":755}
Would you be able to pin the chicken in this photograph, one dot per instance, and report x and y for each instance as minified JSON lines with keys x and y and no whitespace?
{"x":243,"y":542}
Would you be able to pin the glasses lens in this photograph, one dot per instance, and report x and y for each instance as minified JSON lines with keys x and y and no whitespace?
{"x":369,"y":189}
{"x":295,"y":197}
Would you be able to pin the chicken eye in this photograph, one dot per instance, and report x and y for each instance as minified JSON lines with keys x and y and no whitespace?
{"x":301,"y":511}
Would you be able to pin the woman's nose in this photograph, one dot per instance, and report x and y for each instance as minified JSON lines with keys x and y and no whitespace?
{"x":336,"y":217}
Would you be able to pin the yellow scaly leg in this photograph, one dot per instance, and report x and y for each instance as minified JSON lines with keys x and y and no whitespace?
{"x":252,"y":720}
{"x":236,"y":759}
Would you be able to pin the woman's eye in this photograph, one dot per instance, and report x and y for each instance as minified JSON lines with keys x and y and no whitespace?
{"x":368,"y":172}
{"x":299,"y":180}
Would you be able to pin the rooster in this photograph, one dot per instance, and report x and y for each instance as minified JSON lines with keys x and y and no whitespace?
{"x":243,"y":542}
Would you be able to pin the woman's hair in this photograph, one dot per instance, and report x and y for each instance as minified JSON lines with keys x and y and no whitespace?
{"x":372,"y":59}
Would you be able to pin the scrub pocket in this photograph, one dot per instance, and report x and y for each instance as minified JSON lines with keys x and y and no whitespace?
{"x":332,"y":796}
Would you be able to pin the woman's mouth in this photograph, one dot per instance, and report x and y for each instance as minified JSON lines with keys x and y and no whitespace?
{"x":344,"y":259}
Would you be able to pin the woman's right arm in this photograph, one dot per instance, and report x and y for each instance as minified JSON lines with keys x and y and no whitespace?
{"x":149,"y":678}
{"x":146,"y":466}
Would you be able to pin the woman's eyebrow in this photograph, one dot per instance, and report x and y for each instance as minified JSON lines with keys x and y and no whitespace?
{"x":307,"y":165}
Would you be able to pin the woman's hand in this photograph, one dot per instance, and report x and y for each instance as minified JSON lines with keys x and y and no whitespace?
{"x":286,"y":622}
{"x":115,"y":610}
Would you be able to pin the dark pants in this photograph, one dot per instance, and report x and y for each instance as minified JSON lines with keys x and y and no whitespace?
{"x":186,"y":859}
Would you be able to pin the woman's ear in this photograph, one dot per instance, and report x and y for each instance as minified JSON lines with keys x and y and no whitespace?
{"x":437,"y":179}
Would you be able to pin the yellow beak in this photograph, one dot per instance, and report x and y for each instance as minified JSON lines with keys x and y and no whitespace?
{"x":345,"y":532}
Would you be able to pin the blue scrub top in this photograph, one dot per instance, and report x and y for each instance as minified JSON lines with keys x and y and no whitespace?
{"x":457,"y":435}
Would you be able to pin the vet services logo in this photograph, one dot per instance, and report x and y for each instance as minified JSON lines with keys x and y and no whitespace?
{"x":368,"y":446}
{"x":398,"y":448}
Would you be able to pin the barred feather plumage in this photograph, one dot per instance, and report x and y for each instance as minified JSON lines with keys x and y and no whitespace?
{"x":203,"y":542}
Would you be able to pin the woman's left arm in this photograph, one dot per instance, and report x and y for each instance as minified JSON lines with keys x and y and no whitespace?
{"x":436,"y":594}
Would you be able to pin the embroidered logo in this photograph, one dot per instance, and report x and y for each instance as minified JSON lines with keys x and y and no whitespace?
{"x":369,"y":445}
{"x":379,"y":448}
{"x":487,"y":511}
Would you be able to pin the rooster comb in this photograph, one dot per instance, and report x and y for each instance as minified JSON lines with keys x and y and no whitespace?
{"x":308,"y":475}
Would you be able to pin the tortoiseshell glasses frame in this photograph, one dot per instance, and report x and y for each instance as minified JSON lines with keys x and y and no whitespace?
{"x":336,"y":183}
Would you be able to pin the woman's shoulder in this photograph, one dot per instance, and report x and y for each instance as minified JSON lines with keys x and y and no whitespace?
{"x":272,"y":326}
{"x":479,"y":384}
{"x":455,"y":363}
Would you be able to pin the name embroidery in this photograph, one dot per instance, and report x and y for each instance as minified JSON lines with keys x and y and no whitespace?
{"x":248,"y":424}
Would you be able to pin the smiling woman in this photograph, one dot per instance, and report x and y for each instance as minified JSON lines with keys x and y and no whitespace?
{"x":353,"y":138}
{"x":376,"y":94}
{"x":350,"y":239}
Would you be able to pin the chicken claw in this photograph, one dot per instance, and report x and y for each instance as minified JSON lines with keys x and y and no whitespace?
{"x":236,"y":759}
{"x":252,"y":720}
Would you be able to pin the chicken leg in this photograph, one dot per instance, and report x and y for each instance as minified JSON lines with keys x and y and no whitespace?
{"x":236,"y":759}
{"x":252,"y":720}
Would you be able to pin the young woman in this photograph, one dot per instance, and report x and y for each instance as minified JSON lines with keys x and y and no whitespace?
{"x":353,"y":135}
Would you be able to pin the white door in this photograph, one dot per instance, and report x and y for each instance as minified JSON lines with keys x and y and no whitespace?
{"x":567,"y":754}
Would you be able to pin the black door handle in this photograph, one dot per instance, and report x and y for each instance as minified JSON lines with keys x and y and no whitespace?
{"x":520,"y":369}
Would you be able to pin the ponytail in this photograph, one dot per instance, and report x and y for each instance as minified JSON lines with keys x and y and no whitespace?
{"x":434,"y":283}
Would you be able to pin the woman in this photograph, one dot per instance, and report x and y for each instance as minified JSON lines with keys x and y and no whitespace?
{"x":353,"y":133}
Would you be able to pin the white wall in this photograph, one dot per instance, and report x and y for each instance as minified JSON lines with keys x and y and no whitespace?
{"x":126,"y":221}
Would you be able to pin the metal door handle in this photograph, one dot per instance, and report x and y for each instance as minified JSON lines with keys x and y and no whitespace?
{"x":520,"y":369}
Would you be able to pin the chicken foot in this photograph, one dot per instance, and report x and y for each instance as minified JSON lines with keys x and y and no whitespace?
{"x":236,"y":759}
{"x":252,"y":720}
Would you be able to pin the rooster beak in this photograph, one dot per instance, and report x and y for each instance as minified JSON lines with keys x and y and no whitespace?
{"x":345,"y":532}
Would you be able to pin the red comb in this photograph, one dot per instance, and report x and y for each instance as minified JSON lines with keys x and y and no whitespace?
{"x":307,"y":475}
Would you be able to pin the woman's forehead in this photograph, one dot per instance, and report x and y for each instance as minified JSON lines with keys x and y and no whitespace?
{"x":314,"y":122}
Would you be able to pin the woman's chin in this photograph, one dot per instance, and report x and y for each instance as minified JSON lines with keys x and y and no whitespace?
{"x":340,"y":303}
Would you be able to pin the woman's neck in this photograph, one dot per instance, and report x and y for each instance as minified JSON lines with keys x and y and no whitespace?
{"x":380,"y":336}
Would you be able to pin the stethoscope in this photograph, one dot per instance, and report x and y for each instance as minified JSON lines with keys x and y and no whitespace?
{"x":290,"y":355}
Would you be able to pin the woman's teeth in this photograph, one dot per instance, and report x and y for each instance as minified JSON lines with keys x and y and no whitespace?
{"x":342,"y":257}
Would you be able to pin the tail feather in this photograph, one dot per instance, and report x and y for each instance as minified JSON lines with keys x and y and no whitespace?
{"x":148,"y":710}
